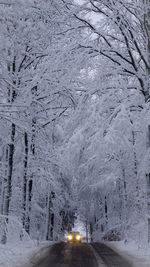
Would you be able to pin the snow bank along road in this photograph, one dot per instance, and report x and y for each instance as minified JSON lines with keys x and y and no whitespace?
{"x":80,"y":255}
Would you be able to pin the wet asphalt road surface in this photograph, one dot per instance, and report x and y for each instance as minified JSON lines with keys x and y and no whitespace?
{"x":80,"y":255}
{"x":109,"y":256}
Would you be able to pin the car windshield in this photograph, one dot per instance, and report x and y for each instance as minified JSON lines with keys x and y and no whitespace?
{"x":74,"y":233}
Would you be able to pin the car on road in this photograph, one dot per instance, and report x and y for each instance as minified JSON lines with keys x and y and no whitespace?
{"x":74,"y":237}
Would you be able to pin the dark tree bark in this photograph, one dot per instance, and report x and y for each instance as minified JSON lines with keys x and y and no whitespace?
{"x":29,"y":185}
{"x":106,"y":210}
{"x":8,"y":180}
{"x":28,"y":210}
{"x":10,"y":148}
{"x":10,"y":170}
{"x":50,"y":217}
{"x":25,"y":178}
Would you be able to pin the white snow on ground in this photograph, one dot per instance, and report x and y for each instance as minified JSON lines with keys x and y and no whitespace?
{"x":20,"y":254}
{"x":137,"y":256}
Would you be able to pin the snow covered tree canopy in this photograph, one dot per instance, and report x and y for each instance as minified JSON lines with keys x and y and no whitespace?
{"x":108,"y":145}
{"x":38,"y":81}
{"x":74,"y":116}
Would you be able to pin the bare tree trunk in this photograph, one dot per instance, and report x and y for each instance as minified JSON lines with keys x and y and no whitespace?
{"x":106,"y":211}
{"x":120,"y":199}
{"x":3,"y":194}
{"x":87,"y":232}
{"x":7,"y":193}
{"x":91,"y":231}
{"x":11,"y":97}
{"x":124,"y":186}
{"x":30,"y":182}
{"x":51,"y":226}
{"x":135,"y":168}
{"x":10,"y":170}
{"x":25,"y":179}
{"x":125,"y":197}
{"x":28,"y":210}
{"x":48,"y":218}
{"x":4,"y":182}
{"x":28,"y":186}
{"x":134,"y":153}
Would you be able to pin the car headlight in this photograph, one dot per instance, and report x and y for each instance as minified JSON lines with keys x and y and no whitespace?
{"x":78,"y":237}
{"x":69,"y":237}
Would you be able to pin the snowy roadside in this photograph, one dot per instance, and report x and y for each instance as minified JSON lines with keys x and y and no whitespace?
{"x":138,"y":257}
{"x":20,"y":254}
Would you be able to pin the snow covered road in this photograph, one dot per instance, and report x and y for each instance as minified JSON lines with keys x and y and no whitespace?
{"x":66,"y":255}
{"x":109,"y":256}
{"x":80,"y":255}
{"x":52,"y":254}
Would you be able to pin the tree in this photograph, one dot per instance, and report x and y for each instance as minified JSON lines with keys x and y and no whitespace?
{"x":37,"y":91}
{"x":119,"y":32}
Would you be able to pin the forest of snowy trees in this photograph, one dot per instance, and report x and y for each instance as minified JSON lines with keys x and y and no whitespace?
{"x":74,"y":118}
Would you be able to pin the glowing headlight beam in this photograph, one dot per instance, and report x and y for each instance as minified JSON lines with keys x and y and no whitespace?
{"x":78,"y":237}
{"x":70,"y":237}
